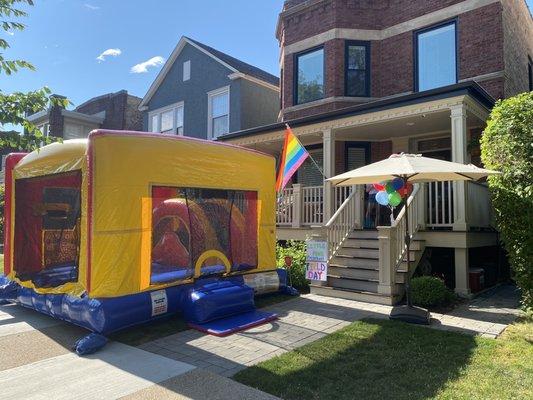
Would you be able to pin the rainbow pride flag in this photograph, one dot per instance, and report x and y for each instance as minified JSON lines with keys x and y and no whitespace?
{"x":294,"y":154}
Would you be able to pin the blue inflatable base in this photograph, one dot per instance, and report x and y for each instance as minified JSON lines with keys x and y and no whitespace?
{"x":107,"y":315}
{"x":235,"y":323}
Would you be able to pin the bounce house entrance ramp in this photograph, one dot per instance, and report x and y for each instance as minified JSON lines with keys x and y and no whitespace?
{"x":221,"y":308}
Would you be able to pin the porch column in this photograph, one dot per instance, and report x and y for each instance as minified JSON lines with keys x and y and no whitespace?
{"x":462,"y":286}
{"x":328,"y":138}
{"x":459,"y":155}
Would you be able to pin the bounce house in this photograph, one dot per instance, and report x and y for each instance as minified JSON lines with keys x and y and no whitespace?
{"x":125,"y":227}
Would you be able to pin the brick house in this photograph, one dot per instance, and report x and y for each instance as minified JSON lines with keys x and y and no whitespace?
{"x":117,"y":110}
{"x":361,"y":79}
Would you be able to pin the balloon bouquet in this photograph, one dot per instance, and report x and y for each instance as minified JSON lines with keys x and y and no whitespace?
{"x":391,"y":193}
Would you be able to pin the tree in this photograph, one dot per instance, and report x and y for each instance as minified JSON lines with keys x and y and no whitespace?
{"x":507,"y":146}
{"x":15,"y":106}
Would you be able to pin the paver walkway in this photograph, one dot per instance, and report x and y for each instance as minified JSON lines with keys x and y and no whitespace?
{"x":310,"y":317}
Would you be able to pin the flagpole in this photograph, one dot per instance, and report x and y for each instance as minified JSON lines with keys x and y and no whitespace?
{"x":310,"y":156}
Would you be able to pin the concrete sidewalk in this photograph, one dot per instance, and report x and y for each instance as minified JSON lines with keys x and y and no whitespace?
{"x":36,"y":362}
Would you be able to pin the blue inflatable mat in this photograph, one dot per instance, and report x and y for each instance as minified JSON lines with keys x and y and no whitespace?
{"x":235,"y":323}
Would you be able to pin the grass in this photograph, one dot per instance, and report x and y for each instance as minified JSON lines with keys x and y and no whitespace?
{"x":1,"y":264}
{"x":384,"y":360}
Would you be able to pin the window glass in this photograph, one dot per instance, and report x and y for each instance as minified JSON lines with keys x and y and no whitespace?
{"x":167,"y":121}
{"x":220,"y":114}
{"x":436,"y":57}
{"x":186,"y":71}
{"x":155,"y":123}
{"x":179,"y":120}
{"x":310,"y":79}
{"x":356,"y":74}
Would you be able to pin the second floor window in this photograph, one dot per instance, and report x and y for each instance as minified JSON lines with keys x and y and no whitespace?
{"x":357,"y":69}
{"x":218,"y":110}
{"x":309,"y":76}
{"x":436,"y":57}
{"x":168,"y":121}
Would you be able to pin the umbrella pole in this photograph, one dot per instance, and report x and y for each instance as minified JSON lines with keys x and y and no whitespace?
{"x":409,"y":313}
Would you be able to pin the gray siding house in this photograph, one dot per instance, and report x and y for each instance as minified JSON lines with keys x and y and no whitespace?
{"x":204,"y":93}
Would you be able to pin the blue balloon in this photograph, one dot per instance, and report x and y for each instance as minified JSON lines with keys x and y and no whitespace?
{"x":397,"y":183}
{"x":382,"y":198}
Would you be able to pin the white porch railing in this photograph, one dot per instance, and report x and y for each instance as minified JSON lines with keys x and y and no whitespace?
{"x":440,"y":205}
{"x":285,"y":207}
{"x":312,"y":200}
{"x":479,"y":209}
{"x":392,"y":248}
{"x":345,"y":220}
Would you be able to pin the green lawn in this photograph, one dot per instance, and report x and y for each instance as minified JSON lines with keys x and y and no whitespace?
{"x":390,"y":360}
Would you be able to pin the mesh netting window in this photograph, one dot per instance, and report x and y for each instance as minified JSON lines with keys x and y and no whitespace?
{"x":213,"y":229}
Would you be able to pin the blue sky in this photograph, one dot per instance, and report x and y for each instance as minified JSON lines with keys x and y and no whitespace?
{"x":64,"y":38}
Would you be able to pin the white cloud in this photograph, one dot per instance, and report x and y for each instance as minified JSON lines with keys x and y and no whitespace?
{"x":91,"y":7}
{"x":10,"y":33}
{"x":143,"y":67}
{"x":110,"y":53}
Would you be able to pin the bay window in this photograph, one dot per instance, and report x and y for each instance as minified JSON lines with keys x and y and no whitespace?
{"x":357,"y":69}
{"x":436,"y":57}
{"x":309,"y":76}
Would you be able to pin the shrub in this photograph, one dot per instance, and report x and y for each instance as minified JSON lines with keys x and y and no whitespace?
{"x":430,"y":291}
{"x":296,"y":250}
{"x":506,"y":146}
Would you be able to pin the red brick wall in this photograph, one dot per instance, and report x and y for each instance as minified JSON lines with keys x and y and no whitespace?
{"x":480,"y":32}
{"x":517,"y":25}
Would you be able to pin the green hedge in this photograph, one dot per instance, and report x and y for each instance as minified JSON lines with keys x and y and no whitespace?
{"x":507,"y":146}
{"x":296,"y":250}
{"x":430,"y":291}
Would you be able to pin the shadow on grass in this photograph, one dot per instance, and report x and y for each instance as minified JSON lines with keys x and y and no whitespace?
{"x":372,"y":359}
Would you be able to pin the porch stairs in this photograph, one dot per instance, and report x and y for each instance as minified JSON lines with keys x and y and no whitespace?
{"x":353,"y":273}
{"x":371,"y":265}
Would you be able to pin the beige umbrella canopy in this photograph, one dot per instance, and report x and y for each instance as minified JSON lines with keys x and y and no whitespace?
{"x":412,"y":168}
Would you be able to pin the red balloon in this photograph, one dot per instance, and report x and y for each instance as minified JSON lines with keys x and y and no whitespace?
{"x":409,"y":187}
{"x":378,"y":187}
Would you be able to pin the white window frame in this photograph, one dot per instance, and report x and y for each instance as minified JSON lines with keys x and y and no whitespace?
{"x":210,"y":95}
{"x":186,"y":70}
{"x":159,"y":112}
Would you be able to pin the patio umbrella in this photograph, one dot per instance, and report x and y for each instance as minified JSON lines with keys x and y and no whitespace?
{"x":415,"y":169}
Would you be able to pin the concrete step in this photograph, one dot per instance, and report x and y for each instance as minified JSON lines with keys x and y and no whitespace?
{"x":351,"y":262}
{"x":354,"y":273}
{"x":353,"y":295}
{"x":362,"y":243}
{"x":353,"y":284}
{"x":358,"y":253}
{"x":363,"y":234}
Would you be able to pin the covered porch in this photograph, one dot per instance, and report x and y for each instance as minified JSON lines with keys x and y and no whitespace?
{"x":444,"y":124}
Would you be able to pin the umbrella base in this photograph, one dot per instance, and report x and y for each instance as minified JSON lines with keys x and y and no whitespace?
{"x":410,"y":314}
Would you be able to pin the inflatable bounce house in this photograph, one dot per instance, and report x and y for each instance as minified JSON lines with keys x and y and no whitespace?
{"x":125,"y":227}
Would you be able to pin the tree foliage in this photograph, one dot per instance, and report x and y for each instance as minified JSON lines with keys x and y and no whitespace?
{"x":16,"y":106}
{"x":9,"y":12}
{"x":507,"y":146}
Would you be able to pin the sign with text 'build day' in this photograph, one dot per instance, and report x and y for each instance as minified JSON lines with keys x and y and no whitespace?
{"x":317,"y":260}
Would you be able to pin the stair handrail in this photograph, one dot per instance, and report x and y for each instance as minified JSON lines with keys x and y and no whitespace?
{"x":343,"y":221}
{"x":414,"y":201}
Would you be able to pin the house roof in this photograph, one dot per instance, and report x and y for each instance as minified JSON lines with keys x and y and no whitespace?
{"x":465,"y":88}
{"x":244,"y":70}
{"x":111,"y":94}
